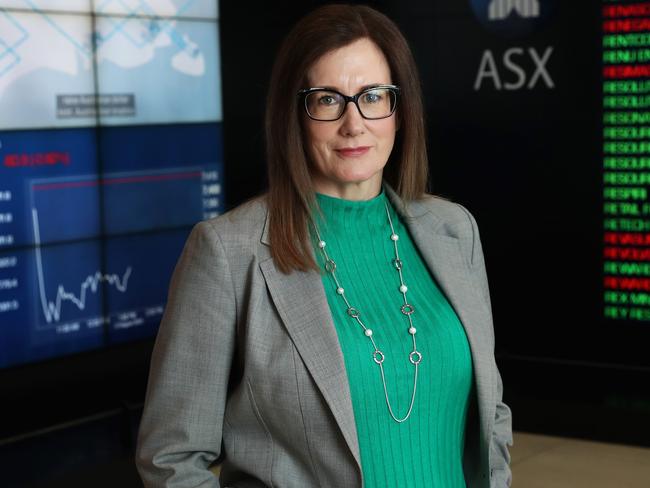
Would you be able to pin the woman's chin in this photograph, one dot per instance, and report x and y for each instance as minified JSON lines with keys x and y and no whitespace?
{"x":359,"y":177}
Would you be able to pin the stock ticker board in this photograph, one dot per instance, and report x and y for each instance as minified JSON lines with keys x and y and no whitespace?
{"x":626,"y":160}
{"x":110,"y":150}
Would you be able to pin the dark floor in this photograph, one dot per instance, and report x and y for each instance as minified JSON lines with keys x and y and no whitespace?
{"x":95,"y":451}
{"x":119,"y":472}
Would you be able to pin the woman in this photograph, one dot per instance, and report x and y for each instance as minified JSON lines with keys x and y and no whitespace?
{"x":335,"y":332}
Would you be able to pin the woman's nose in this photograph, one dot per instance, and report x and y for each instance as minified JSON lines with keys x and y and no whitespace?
{"x":352,"y":123}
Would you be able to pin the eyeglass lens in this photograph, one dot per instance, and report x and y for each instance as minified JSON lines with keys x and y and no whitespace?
{"x":376,"y":103}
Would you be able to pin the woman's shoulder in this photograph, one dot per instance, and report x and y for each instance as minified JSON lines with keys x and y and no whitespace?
{"x":447,"y":211}
{"x":246,"y":215}
{"x":239,"y":227}
{"x":453,"y":220}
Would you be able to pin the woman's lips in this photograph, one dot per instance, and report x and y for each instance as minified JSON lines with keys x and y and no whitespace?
{"x":353,"y":152}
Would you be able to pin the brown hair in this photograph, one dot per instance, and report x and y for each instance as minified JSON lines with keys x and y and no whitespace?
{"x":291,"y":194}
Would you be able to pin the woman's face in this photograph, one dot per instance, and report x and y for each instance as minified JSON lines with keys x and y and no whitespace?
{"x":348,"y":155}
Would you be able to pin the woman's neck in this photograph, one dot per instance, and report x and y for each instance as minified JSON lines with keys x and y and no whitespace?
{"x":362,"y":190}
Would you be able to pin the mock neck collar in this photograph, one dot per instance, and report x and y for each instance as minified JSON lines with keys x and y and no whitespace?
{"x":341,"y":215}
{"x":330,"y":202}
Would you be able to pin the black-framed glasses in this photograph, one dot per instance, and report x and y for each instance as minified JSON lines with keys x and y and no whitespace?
{"x":325,"y":104}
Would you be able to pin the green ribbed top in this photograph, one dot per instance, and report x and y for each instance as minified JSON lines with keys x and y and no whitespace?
{"x":425,"y":451}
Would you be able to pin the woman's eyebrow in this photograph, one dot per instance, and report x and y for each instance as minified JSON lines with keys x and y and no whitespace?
{"x":372,"y":85}
{"x":364,"y":87}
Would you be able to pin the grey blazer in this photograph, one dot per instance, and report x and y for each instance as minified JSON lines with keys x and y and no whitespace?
{"x":247,"y":368}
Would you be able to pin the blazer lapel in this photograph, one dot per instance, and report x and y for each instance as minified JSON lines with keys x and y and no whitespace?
{"x":442,"y":254}
{"x":301,"y":302}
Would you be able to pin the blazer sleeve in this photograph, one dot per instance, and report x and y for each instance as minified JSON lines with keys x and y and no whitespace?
{"x":181,"y":428}
{"x":500,"y":473}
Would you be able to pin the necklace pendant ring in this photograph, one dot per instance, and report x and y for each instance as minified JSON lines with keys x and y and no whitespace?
{"x":407,"y":309}
{"x":353,"y":312}
{"x":378,"y":356}
{"x":330,"y":265}
{"x":397,"y":263}
{"x":418,"y":357}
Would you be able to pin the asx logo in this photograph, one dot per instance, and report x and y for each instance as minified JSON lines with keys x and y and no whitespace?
{"x":500,"y":9}
{"x":517,"y":67}
{"x":513,"y":63}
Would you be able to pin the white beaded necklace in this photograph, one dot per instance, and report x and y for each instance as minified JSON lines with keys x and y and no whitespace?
{"x":415,"y":357}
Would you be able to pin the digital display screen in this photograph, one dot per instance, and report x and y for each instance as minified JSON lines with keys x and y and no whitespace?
{"x":626,"y":160}
{"x":110,"y":150}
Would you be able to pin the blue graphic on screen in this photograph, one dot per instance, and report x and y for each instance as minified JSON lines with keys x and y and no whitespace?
{"x":125,"y":69}
{"x":177,"y":48}
{"x":110,"y":151}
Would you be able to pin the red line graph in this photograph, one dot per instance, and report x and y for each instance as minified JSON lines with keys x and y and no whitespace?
{"x":116,"y":181}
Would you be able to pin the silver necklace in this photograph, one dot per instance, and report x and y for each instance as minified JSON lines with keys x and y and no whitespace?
{"x":415,"y":357}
